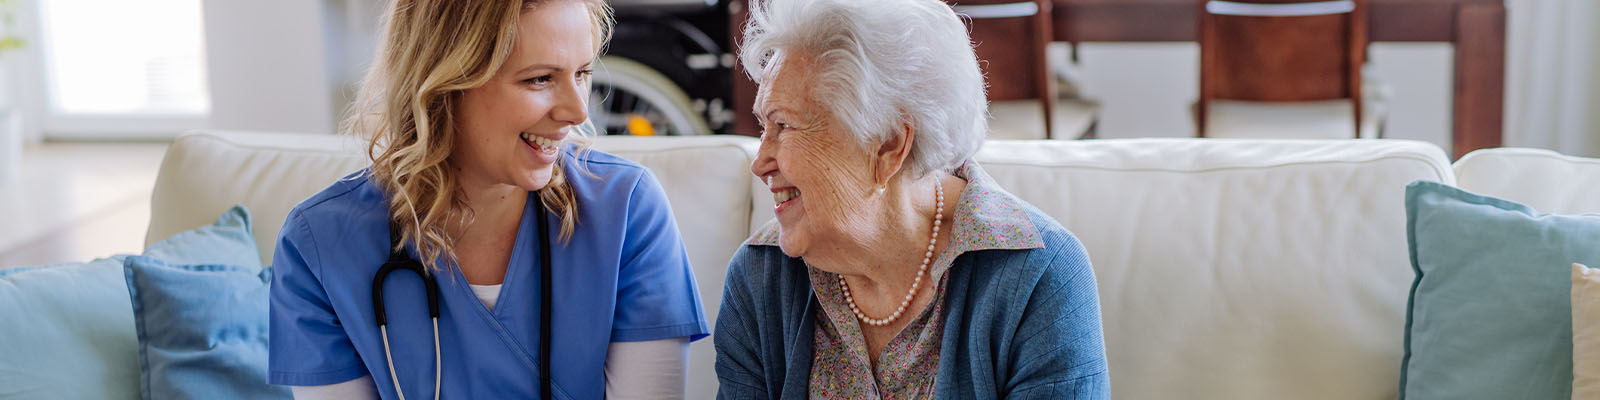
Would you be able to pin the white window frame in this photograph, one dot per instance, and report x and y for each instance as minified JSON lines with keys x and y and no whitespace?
{"x":42,"y":121}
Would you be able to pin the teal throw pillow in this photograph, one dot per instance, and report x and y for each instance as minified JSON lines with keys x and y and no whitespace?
{"x":202,"y":330}
{"x":1490,"y":313}
{"x":227,"y":241}
{"x":66,"y":333}
{"x":67,"y":330}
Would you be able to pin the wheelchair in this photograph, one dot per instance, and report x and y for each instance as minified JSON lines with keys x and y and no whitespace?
{"x":667,"y":71}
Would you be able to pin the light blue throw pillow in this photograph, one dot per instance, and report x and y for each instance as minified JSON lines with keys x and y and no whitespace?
{"x":1490,"y":312}
{"x":227,"y":241}
{"x":66,"y":333}
{"x":202,"y":330}
{"x":67,"y":330}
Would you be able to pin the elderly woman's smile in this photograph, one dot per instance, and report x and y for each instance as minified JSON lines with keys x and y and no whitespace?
{"x":783,"y":196}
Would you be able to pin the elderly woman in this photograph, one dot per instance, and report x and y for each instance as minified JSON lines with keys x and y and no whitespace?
{"x":896,"y":267}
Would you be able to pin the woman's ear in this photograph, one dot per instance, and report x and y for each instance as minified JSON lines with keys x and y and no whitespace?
{"x":892,"y":154}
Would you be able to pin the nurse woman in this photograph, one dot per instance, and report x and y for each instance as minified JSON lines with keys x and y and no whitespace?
{"x":476,"y":114}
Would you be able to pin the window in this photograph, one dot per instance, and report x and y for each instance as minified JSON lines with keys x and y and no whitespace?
{"x":117,"y":66}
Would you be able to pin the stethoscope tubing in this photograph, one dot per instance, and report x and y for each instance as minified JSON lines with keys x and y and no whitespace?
{"x":545,"y":302}
{"x":438,"y":363}
{"x":398,"y":260}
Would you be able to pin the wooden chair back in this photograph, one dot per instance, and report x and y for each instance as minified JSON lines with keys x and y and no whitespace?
{"x":1011,"y":37}
{"x":1281,"y":51}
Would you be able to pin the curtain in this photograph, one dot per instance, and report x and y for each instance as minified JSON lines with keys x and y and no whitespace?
{"x":1553,"y":75}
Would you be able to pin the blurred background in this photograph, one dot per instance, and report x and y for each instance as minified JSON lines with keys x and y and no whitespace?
{"x":90,"y":90}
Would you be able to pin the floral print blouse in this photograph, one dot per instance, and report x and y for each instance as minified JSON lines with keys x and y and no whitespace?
{"x":985,"y":218}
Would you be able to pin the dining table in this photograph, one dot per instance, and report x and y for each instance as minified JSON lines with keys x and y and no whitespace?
{"x":1475,"y":28}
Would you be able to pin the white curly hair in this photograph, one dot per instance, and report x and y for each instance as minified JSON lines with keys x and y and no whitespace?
{"x":880,"y":63}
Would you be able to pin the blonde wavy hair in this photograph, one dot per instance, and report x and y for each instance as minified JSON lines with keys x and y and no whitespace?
{"x":431,"y":53}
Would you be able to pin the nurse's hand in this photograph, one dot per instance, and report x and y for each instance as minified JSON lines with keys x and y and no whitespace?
{"x":354,"y":389}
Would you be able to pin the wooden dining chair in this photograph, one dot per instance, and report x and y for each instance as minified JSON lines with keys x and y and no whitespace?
{"x":1011,"y":38}
{"x":1265,"y":52}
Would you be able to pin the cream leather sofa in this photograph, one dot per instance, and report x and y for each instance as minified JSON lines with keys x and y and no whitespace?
{"x":1227,"y":269}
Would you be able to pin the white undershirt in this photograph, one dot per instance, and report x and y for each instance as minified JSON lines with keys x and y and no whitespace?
{"x":656,"y":369}
{"x":489,"y":294}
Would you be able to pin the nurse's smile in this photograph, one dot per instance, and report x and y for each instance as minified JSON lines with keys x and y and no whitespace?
{"x":543,"y":147}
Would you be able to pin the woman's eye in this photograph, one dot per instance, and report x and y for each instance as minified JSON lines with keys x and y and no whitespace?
{"x":776,"y":128}
{"x":583,"y":75}
{"x":539,"y":81}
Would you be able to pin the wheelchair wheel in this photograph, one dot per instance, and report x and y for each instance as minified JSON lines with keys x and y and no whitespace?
{"x":629,"y":98}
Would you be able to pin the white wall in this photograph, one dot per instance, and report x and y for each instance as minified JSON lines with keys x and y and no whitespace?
{"x":1146,"y":89}
{"x":269,"y":65}
{"x":351,"y":33}
{"x":20,"y":69}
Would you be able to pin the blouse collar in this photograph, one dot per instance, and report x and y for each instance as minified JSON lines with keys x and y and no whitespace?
{"x":986,"y":218}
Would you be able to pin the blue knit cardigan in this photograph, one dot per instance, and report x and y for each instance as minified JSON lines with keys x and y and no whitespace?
{"x":1019,"y":324}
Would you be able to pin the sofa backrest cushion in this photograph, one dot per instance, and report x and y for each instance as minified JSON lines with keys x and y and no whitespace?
{"x":707,"y":180}
{"x":1237,"y":269}
{"x":206,"y":173}
{"x":1542,"y":179}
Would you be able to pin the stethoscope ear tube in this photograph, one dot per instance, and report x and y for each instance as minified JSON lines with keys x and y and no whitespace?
{"x":545,"y":303}
{"x":398,"y":261}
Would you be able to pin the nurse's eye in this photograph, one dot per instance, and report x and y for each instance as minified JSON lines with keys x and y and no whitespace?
{"x":584,"y":74}
{"x":540,"y":81}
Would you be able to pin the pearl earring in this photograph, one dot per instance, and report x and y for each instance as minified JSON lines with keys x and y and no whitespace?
{"x":880,"y":190}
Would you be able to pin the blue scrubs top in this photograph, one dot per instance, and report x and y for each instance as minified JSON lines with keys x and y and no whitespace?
{"x":625,"y":276}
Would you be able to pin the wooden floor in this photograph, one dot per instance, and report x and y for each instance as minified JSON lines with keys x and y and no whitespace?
{"x":74,"y":202}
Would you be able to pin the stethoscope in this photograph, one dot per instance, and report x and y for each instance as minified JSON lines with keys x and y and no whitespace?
{"x":398,"y":260}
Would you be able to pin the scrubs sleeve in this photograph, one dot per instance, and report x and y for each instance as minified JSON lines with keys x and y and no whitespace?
{"x":656,"y":293}
{"x":308,"y":345}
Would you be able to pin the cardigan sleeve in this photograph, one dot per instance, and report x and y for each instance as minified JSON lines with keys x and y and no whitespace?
{"x":738,"y":365}
{"x":1060,"y":333}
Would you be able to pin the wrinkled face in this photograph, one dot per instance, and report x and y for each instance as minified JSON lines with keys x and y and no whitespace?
{"x":820,"y":175}
{"x":510,"y":129}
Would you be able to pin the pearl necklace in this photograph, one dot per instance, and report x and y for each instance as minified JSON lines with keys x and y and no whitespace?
{"x":938,"y":218}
